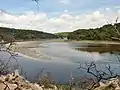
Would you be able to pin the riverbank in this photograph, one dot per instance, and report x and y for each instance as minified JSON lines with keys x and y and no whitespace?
{"x":15,"y":81}
{"x":94,"y":42}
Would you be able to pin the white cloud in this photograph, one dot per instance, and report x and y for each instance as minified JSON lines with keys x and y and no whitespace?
{"x":62,"y":23}
{"x":67,"y":2}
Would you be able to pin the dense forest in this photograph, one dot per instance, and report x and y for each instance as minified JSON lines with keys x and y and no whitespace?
{"x":62,"y":34}
{"x":20,"y":34}
{"x":107,"y":32}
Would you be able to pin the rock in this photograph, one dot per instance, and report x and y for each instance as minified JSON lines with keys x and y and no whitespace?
{"x":9,"y":78}
{"x":37,"y":87}
{"x":12,"y":86}
{"x":15,"y":81}
{"x":111,"y":84}
{"x":117,"y":89}
{"x":2,"y":78}
{"x":2,"y":86}
{"x":102,"y":84}
{"x":106,"y":87}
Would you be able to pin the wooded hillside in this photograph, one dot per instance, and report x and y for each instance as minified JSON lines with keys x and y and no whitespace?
{"x":21,"y":34}
{"x":107,"y":32}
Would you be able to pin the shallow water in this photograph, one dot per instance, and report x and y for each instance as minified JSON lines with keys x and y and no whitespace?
{"x":64,"y":58}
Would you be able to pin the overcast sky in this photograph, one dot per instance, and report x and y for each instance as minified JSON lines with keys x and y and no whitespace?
{"x":58,"y":15}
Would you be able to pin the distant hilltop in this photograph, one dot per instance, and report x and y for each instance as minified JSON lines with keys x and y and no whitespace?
{"x":105,"y":33}
{"x":22,"y":34}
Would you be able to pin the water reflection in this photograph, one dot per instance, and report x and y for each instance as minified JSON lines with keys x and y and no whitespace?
{"x":101,"y":48}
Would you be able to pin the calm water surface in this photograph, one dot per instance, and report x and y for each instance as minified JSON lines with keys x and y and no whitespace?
{"x":64,"y":58}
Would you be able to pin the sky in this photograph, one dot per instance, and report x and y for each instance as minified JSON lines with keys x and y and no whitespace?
{"x":58,"y":15}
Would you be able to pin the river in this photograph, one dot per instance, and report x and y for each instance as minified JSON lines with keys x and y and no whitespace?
{"x":64,"y":58}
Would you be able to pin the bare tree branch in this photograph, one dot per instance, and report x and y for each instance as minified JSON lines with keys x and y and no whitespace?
{"x":98,"y":74}
{"x":114,"y":27}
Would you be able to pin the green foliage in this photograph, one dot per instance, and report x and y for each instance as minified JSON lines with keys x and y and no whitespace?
{"x":21,"y":34}
{"x":107,"y":32}
{"x":62,"y":34}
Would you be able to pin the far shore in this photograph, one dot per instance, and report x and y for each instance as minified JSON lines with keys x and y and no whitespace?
{"x":28,"y":48}
{"x":95,"y":42}
{"x":75,"y":41}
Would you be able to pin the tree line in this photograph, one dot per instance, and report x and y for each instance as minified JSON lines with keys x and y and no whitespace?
{"x":107,"y":32}
{"x":22,"y":34}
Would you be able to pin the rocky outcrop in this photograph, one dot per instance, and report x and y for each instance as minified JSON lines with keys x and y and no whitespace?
{"x":16,"y":82}
{"x":111,"y":84}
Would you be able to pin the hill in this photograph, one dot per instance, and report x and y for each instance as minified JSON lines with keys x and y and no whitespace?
{"x":107,"y":32}
{"x":22,"y":34}
{"x":62,"y":34}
